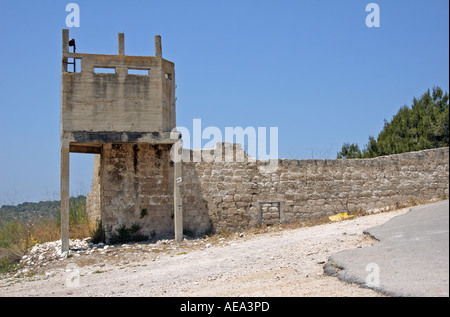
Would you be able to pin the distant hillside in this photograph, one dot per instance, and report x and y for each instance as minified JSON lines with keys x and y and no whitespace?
{"x":42,"y":210}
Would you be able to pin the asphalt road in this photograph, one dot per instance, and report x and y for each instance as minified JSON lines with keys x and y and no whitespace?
{"x":410,"y":259}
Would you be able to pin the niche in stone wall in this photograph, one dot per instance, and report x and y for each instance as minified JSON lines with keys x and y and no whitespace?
{"x":271,"y":212}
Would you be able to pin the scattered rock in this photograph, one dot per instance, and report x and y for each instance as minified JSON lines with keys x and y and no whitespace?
{"x":40,"y":254}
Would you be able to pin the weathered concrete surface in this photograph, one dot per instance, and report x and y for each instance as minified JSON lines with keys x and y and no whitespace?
{"x":106,"y":108}
{"x":98,"y":102}
{"x":410,"y":259}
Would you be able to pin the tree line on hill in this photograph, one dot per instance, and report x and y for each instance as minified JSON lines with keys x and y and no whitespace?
{"x":424,"y":125}
{"x":31,"y":211}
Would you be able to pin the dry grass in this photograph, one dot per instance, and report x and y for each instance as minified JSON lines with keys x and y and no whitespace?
{"x":17,"y":237}
{"x":45,"y":232}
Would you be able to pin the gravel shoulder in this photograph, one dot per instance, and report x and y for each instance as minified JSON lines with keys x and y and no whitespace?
{"x":279,"y":262}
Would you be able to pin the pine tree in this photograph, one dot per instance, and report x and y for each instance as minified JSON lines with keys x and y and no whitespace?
{"x":423,"y":126}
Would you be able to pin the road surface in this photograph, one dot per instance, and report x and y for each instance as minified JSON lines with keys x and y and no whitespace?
{"x":410,"y":259}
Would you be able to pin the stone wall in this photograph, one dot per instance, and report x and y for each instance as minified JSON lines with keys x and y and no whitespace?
{"x":239,"y":195}
{"x":137,"y":188}
{"x":223,"y":194}
{"x":93,"y":200}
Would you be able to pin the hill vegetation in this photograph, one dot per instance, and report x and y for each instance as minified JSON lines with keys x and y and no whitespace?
{"x":424,"y":125}
{"x":27,"y":224}
{"x":32,"y":212}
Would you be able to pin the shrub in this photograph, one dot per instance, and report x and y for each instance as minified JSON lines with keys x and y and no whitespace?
{"x":98,"y":234}
{"x":124,"y":234}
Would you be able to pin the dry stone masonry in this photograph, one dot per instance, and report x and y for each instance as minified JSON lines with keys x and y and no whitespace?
{"x":221,"y":195}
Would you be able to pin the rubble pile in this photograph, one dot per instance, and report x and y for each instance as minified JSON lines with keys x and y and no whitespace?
{"x":50,"y":251}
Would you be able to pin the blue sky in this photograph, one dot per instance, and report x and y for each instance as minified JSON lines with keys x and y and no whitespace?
{"x":312,"y":68}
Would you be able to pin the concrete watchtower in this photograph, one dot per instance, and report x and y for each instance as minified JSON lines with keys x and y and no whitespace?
{"x":127,"y":118}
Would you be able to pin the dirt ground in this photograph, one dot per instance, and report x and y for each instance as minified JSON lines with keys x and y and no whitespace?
{"x":276,"y":262}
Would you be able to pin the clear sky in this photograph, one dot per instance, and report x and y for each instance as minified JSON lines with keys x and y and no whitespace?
{"x":312,"y":68}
